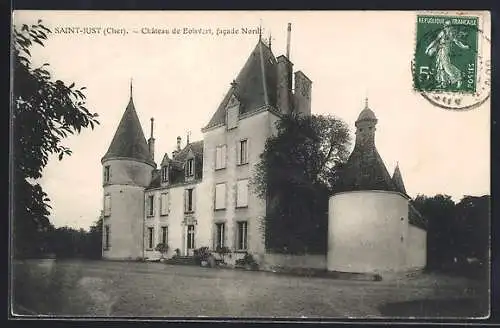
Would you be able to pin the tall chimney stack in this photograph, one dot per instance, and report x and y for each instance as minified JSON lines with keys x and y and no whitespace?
{"x":178,"y":143}
{"x":151,"y":141}
{"x":288,"y":37}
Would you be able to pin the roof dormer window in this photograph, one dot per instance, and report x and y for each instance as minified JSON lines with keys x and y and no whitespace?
{"x":164,"y":174}
{"x":190,"y":167}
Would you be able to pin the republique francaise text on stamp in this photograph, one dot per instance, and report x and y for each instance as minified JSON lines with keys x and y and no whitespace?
{"x":451,"y":66}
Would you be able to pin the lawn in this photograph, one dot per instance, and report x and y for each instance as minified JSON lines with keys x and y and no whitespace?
{"x":124,"y":289}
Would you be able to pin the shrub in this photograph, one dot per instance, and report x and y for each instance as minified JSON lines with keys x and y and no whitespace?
{"x":201,"y":254}
{"x":248,"y":262}
{"x":162,"y":248}
{"x":222,"y":251}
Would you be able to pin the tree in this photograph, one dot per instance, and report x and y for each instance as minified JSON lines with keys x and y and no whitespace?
{"x":473,"y":223}
{"x":442,"y":243}
{"x":44,"y":112}
{"x":296,"y":173}
{"x":93,"y":240}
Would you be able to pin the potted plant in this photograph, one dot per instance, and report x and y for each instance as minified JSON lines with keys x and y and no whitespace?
{"x":163,"y":249}
{"x":201,"y":256}
{"x":222,"y":251}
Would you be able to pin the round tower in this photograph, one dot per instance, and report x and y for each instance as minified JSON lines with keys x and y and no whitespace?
{"x":368,"y":215}
{"x":127,"y":171}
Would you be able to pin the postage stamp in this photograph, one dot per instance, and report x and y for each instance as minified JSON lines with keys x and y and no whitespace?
{"x":451,"y":65}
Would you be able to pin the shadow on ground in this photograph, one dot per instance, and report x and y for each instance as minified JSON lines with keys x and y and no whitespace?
{"x":437,"y":308}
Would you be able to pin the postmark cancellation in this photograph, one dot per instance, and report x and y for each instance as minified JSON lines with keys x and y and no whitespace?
{"x":451,"y":63}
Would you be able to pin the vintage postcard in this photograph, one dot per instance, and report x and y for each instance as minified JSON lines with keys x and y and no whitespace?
{"x":250,"y":164}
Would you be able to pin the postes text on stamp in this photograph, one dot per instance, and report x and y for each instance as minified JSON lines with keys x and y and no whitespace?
{"x":446,"y":54}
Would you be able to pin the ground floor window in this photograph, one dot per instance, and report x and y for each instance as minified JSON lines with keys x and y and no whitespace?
{"x":150,"y":237}
{"x":242,"y":235}
{"x":106,"y":237}
{"x":220,"y":229}
{"x":190,"y":236}
{"x":164,"y":235}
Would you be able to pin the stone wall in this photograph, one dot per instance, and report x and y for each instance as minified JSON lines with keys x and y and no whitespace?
{"x":271,"y":261}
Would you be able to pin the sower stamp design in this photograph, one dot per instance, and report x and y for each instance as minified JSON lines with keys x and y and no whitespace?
{"x":449,"y":67}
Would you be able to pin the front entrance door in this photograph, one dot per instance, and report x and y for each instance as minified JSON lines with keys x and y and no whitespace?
{"x":190,"y":245}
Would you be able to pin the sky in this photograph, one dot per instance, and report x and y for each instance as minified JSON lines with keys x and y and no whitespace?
{"x":181,"y":79}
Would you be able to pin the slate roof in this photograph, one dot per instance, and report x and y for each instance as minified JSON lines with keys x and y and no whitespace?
{"x":397,"y":179}
{"x":129,"y":141}
{"x":255,"y":87}
{"x":366,"y":114}
{"x":365,"y":169}
{"x":176,"y":165}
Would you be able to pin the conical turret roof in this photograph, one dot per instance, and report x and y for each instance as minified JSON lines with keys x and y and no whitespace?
{"x":365,"y":169}
{"x":397,"y":179}
{"x":129,"y":141}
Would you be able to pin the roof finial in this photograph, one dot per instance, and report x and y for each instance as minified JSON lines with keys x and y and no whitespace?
{"x":152,"y":126}
{"x":131,"y":81}
{"x":366,"y":102}
{"x":260,"y":30}
{"x":187,"y":137}
{"x":288,"y":37}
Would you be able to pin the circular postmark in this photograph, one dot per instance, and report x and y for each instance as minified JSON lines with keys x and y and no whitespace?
{"x":451,"y":67}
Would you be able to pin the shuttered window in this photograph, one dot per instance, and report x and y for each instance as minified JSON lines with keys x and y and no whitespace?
{"x":220,"y":196}
{"x":164,"y":204}
{"x":150,"y":205}
{"x":220,"y":157}
{"x":107,"y":205}
{"x":242,"y":193}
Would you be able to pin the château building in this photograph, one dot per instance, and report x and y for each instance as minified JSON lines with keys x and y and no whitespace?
{"x":200,"y":194}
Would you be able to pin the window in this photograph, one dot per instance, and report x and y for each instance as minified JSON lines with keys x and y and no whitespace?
{"x":220,"y":230}
{"x":106,"y":237}
{"x":164,"y":174}
{"x":220,"y":157}
{"x":220,"y":196}
{"x":241,"y":241}
{"x":164,"y":204}
{"x":232,"y":116}
{"x":106,"y":174}
{"x":164,"y":235}
{"x":242,"y":193}
{"x":190,"y":236}
{"x":107,"y":205}
{"x":150,"y":237}
{"x":188,"y":201}
{"x":190,"y":167}
{"x":151,"y":205}
{"x":243,"y":152}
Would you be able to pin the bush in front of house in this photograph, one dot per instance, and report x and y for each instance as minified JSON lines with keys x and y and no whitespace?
{"x":201,"y":255}
{"x":247,"y":262}
{"x":163,"y":249}
{"x":222,"y":251}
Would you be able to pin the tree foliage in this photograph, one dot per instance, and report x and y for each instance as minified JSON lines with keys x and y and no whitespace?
{"x":295,"y":175}
{"x":455,"y":231}
{"x":44,"y":112}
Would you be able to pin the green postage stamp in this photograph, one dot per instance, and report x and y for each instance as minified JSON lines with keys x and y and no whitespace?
{"x":446,"y":55}
{"x":449,"y":63}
